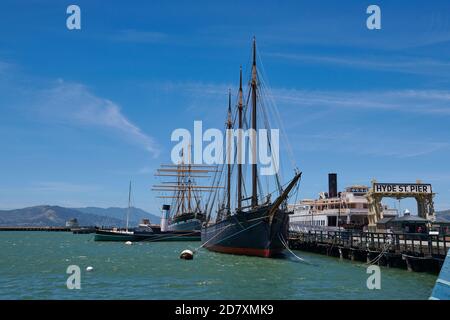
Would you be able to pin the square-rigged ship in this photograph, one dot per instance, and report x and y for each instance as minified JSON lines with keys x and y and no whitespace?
{"x":146,"y":231}
{"x":186,"y":211}
{"x":258,"y":228}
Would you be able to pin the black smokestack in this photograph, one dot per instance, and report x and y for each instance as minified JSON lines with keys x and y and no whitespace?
{"x":332,"y":185}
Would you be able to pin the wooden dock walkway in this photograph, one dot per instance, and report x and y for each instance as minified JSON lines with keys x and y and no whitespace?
{"x":413,"y":251}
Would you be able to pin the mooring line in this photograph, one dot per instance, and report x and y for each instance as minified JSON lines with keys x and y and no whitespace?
{"x":221,"y":230}
{"x":382,"y":253}
{"x":159,"y":237}
{"x":287,"y":247}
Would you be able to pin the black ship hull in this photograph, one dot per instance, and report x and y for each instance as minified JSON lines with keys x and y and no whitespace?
{"x":155,"y":236}
{"x":248,"y":233}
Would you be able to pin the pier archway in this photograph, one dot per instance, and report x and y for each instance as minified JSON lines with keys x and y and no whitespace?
{"x":421,"y":192}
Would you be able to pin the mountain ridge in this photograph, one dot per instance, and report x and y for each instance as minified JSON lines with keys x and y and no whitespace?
{"x":136,"y":214}
{"x":49,"y":215}
{"x":445,"y":214}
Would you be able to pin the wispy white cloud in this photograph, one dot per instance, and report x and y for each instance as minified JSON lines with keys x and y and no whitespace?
{"x":423,"y":101}
{"x":317,"y":105}
{"x":360,"y":142}
{"x":71,"y":103}
{"x":74,"y":103}
{"x":433,"y":102}
{"x":404,"y":64}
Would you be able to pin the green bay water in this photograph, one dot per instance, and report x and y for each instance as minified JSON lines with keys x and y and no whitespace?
{"x":33,"y":266}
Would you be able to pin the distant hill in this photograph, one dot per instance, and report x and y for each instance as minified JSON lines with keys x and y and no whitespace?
{"x":444,"y":214}
{"x":136,"y":214}
{"x":54,"y":216}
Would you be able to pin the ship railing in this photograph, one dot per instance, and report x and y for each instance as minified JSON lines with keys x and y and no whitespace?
{"x":419,"y":244}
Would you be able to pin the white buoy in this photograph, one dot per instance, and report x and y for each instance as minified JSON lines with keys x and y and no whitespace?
{"x":89,"y":268}
{"x":128,"y":243}
{"x":187,"y":255}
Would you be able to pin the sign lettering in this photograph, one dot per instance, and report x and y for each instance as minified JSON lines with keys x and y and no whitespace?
{"x":402,"y":188}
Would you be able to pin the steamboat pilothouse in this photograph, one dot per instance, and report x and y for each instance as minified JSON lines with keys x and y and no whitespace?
{"x":332,"y":210}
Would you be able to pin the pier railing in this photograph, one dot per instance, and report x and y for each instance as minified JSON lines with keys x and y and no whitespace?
{"x":415,"y":243}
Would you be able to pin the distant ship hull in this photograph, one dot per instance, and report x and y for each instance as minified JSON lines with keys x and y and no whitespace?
{"x":189,"y":225}
{"x":157,"y":236}
{"x":249,"y":233}
{"x":169,"y":236}
{"x":111,"y":235}
{"x":188,"y":221}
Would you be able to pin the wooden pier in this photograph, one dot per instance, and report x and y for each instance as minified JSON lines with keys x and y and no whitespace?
{"x":411,"y":251}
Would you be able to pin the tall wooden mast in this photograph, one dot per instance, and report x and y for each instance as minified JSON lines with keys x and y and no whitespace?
{"x":189,"y":178}
{"x":182,"y":185}
{"x":253,"y":135}
{"x":239,"y":148}
{"x":229,"y":126}
{"x":129,"y":206}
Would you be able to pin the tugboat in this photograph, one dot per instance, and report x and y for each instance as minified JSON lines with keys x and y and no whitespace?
{"x":254,"y":229}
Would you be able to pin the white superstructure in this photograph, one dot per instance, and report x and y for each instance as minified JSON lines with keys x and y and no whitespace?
{"x":349,"y":209}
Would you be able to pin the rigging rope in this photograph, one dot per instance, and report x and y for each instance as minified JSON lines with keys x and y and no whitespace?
{"x":287,"y":247}
{"x":277,"y":114}
{"x":382,"y":253}
{"x":234,"y":234}
{"x":160,"y":236}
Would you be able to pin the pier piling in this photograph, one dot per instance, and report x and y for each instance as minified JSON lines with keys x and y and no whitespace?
{"x":411,"y":251}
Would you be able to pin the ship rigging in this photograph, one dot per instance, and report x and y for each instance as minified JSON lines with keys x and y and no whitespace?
{"x":255,"y":225}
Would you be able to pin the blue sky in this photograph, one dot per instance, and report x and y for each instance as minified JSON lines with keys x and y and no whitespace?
{"x":83,"y":112}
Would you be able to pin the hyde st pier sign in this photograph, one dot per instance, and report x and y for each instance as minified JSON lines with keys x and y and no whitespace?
{"x":402,"y":188}
{"x":422,"y":192}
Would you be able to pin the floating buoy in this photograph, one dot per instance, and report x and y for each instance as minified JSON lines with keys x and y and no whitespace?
{"x":128,"y":243}
{"x":89,"y":268}
{"x":187,"y":255}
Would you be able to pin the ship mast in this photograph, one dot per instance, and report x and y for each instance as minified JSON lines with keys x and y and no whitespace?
{"x":183,"y":180}
{"x":129,"y":205}
{"x":253,"y":134}
{"x":239,"y":151}
{"x":229,"y":126}
{"x":181,"y":184}
{"x":189,"y":178}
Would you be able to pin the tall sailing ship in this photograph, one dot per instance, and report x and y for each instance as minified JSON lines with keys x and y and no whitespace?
{"x":145,"y":231}
{"x":255,"y":225}
{"x":186,"y":211}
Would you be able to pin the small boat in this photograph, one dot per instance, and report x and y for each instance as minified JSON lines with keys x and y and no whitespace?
{"x":114,"y":235}
{"x":146,"y":235}
{"x":144,"y":232}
